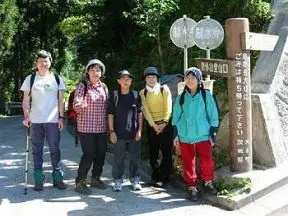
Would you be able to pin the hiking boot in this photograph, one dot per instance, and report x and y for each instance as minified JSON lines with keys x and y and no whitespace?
{"x":161,"y":184}
{"x":210,"y":188}
{"x":60,"y":185}
{"x":97,"y":183}
{"x":81,"y":187}
{"x":117,"y":186}
{"x":157,"y":183}
{"x":38,"y":179}
{"x":193,"y":194}
{"x":58,"y":180}
{"x":38,"y":187}
{"x":136,"y":186}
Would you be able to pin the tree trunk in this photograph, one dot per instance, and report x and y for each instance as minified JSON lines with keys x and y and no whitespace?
{"x":162,"y":72}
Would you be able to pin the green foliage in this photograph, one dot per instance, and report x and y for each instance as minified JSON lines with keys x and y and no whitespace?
{"x":70,"y":86}
{"x":221,"y":157}
{"x":9,"y":16}
{"x":150,"y":14}
{"x":230,"y":187}
{"x":75,"y":26}
{"x":220,"y":91}
{"x":259,"y":13}
{"x":72,"y":69}
{"x":9,"y":86}
{"x":8,"y":21}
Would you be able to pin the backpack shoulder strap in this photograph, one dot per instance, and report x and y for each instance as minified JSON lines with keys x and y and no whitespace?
{"x":203,"y":92}
{"x":161,"y":89}
{"x":104,"y":86}
{"x":135,"y":94}
{"x":57,"y":78}
{"x":85,"y":87}
{"x":145,"y":92}
{"x":116,"y":97}
{"x":181,"y":102}
{"x":181,"y":99}
{"x":32,"y":79}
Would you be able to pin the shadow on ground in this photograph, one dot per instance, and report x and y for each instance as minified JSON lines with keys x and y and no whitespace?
{"x":106,"y":202}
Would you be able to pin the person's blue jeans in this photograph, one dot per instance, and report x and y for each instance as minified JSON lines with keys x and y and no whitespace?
{"x":49,"y":132}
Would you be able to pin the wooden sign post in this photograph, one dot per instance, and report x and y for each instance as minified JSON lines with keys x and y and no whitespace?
{"x":239,"y":92}
{"x":239,"y":42}
{"x":237,"y":70}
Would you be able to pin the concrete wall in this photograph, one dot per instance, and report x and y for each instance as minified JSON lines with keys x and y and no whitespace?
{"x":268,"y":142}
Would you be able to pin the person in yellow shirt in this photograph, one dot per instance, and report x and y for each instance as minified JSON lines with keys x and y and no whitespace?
{"x":157,"y":109}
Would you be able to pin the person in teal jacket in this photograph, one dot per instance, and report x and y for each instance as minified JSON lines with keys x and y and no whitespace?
{"x":195,"y":120}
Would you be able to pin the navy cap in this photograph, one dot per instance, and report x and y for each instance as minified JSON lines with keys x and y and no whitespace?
{"x":151,"y":71}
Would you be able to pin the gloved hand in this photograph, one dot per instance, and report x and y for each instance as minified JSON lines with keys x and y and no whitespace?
{"x":213,"y":134}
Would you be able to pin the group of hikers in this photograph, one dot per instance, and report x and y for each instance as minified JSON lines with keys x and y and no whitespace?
{"x":191,"y":126}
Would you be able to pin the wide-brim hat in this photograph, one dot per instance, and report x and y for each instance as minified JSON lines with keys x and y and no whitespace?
{"x":96,"y":62}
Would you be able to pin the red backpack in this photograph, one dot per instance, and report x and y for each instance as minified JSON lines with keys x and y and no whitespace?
{"x":71,"y":112}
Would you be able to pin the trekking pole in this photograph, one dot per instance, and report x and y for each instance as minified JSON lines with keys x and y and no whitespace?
{"x":26,"y":160}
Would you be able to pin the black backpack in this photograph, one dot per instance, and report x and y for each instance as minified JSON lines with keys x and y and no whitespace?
{"x":116,"y":96}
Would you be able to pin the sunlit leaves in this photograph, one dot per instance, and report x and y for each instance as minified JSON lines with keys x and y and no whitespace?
{"x":75,"y":26}
{"x":150,"y":14}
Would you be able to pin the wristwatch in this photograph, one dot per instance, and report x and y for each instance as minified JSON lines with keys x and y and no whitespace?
{"x":61,"y":117}
{"x":110,"y":131}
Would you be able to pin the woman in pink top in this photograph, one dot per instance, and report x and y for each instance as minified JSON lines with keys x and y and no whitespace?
{"x":90,"y":103}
